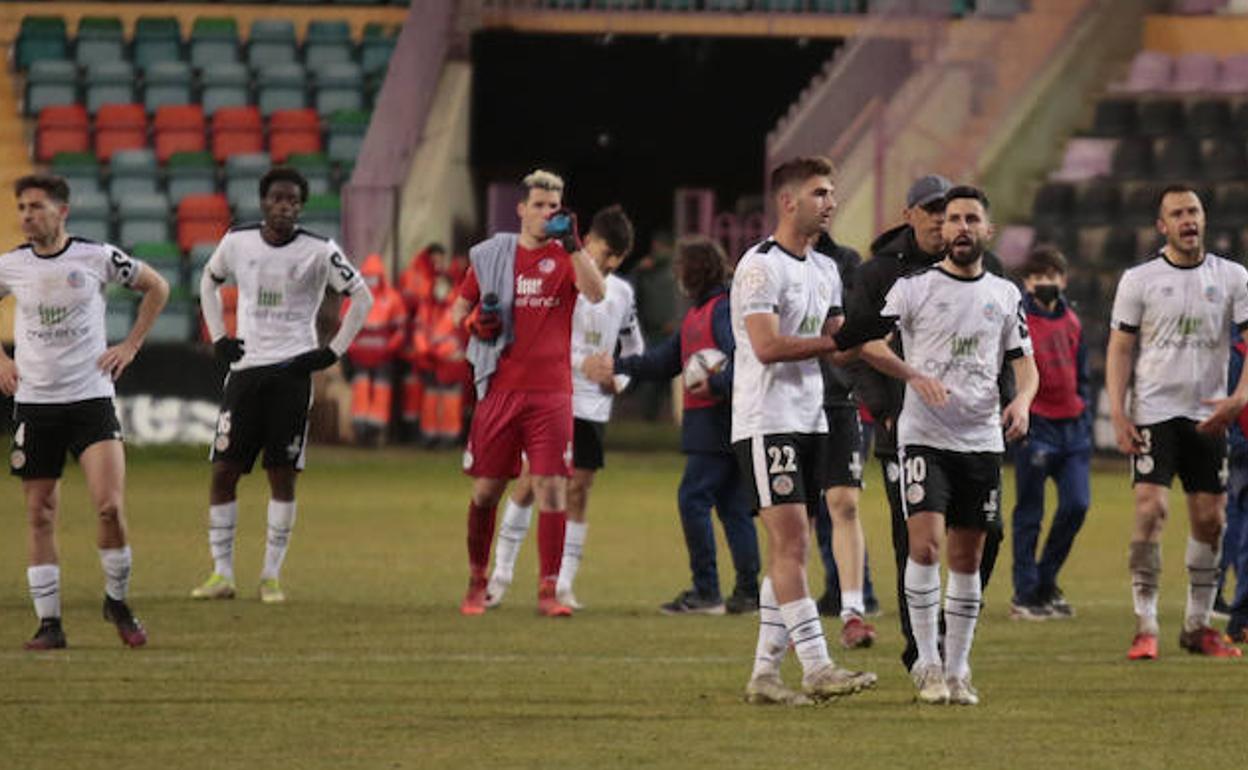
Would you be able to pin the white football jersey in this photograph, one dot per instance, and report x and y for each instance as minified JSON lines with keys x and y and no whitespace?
{"x":59,"y":329}
{"x":960,"y":331}
{"x":1183,"y":318}
{"x":595,"y":329}
{"x":280,"y":289}
{"x":802,"y":290}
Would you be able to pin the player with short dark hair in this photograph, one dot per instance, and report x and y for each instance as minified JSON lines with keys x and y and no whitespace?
{"x":61,"y":379}
{"x":784,"y":300}
{"x":1178,"y":309}
{"x":596,"y":330}
{"x":282,"y":271}
{"x":1058,"y":443}
{"x":959,"y":326}
{"x":518,"y":299}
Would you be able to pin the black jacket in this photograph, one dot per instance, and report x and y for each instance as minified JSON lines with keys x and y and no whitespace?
{"x":838,"y":388}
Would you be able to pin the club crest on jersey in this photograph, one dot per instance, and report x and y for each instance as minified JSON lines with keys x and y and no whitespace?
{"x":1212,"y":294}
{"x":991,"y":311}
{"x":528,"y":287}
{"x":782,"y":484}
{"x":1144,"y":464}
{"x":914,"y":494}
{"x":547,"y":266}
{"x":75,"y":279}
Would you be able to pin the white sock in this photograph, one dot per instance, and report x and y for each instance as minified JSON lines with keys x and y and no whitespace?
{"x":852,"y":604}
{"x":116,"y":564}
{"x":801,"y":621}
{"x":222,"y":519}
{"x":573,"y":545}
{"x":923,"y":599}
{"x":962,"y":603}
{"x":773,"y":637}
{"x":1145,"y":580}
{"x":511,"y":536}
{"x":45,"y":589}
{"x":1202,"y":576}
{"x":281,"y":522}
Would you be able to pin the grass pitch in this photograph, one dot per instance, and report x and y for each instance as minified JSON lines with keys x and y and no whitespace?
{"x":369,"y":665}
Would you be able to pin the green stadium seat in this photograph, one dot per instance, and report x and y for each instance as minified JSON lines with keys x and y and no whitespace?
{"x":156,"y":38}
{"x":224,"y":84}
{"x":242,"y":177}
{"x":80,"y":169}
{"x":213,"y":40}
{"x":108,"y":82}
{"x":281,"y":87}
{"x":345,"y":134}
{"x":40,"y":38}
{"x":190,"y":173}
{"x":118,"y":312}
{"x":100,"y":39}
{"x":166,"y":83}
{"x":133,"y":172}
{"x":142,"y":217}
{"x":339,"y":86}
{"x":90,"y":215}
{"x":322,"y":214}
{"x":49,"y":83}
{"x":176,"y":323}
{"x":328,"y":41}
{"x":315,"y":168}
{"x":272,"y":41}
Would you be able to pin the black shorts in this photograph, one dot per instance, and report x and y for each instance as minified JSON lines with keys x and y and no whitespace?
{"x":844,"y":453}
{"x":265,"y":407}
{"x":587,"y":444}
{"x":783,"y":468}
{"x":43,"y":433}
{"x":1175,"y":446}
{"x":964,"y":486}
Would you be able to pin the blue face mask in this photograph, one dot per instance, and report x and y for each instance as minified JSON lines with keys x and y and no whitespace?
{"x":1047,"y":293}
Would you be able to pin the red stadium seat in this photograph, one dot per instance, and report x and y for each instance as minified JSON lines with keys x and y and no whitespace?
{"x":236,"y":130}
{"x":119,"y":127}
{"x":293,"y":131}
{"x":62,"y":128}
{"x":202,"y":218}
{"x":179,"y":128}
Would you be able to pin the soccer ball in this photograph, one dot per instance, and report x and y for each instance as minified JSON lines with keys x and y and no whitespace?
{"x":702,"y":365}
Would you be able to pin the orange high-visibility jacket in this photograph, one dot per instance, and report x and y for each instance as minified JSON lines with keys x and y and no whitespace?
{"x":381,"y":338}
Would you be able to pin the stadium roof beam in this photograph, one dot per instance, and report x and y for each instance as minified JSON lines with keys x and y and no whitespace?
{"x":696,"y":24}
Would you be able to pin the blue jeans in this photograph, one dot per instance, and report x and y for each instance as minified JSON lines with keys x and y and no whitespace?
{"x":1060,"y":449}
{"x":714,"y":480}
{"x":1235,"y":542}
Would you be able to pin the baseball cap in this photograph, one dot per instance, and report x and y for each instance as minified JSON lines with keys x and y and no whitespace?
{"x":927,"y":189}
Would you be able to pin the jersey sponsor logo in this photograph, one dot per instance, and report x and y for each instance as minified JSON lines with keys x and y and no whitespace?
{"x":1189,"y":325}
{"x":268,"y":298}
{"x":593,"y":337}
{"x":75,"y":279}
{"x":51,"y":315}
{"x":964,"y":346}
{"x":811,"y":324}
{"x":529,"y":293}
